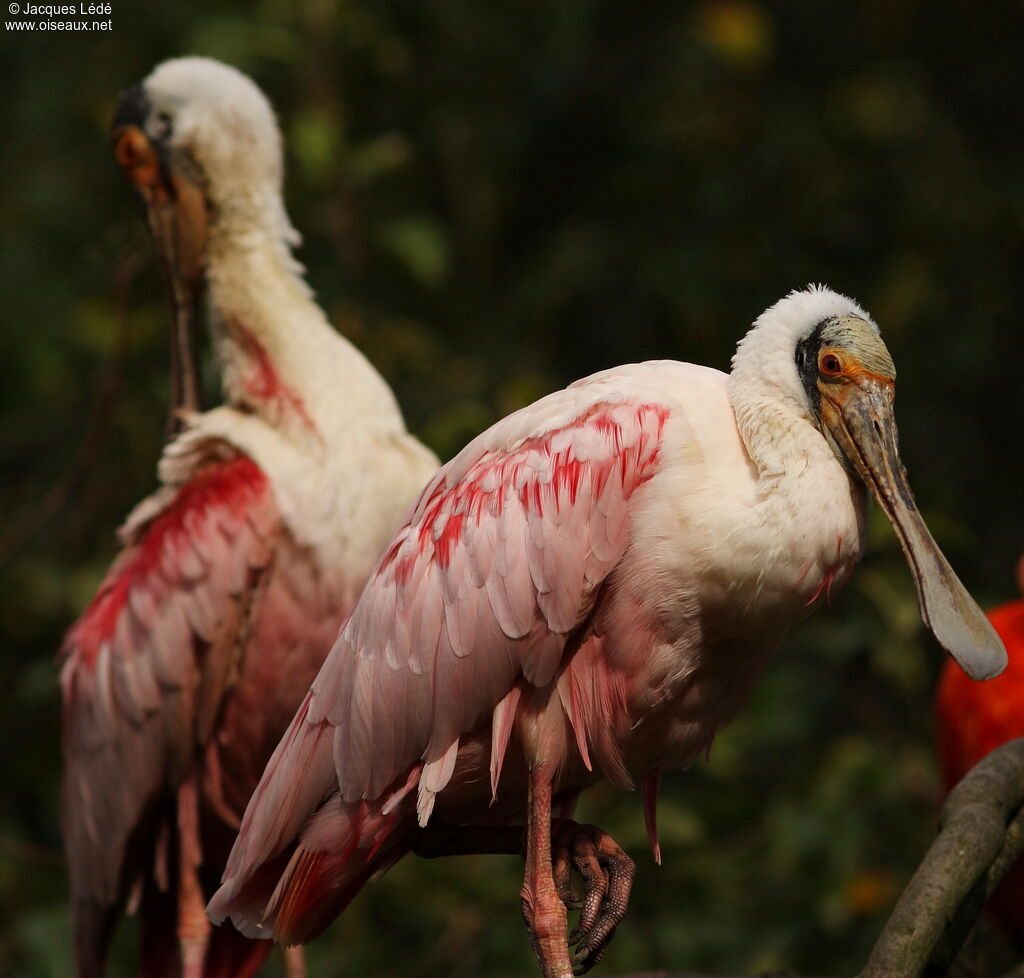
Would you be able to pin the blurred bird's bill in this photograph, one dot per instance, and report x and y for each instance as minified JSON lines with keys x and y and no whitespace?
{"x":177,"y":217}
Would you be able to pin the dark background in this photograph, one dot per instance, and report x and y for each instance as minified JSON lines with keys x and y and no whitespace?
{"x":498,"y":197}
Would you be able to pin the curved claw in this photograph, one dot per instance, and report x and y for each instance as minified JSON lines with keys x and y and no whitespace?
{"x":607,"y":874}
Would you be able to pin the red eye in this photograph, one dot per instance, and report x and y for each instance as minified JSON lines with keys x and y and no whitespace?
{"x":831,"y":365}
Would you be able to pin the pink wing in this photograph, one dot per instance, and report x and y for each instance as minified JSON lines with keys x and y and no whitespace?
{"x":499,"y":563}
{"x":147,"y":665}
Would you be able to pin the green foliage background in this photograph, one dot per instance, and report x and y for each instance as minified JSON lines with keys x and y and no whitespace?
{"x":498,"y":197}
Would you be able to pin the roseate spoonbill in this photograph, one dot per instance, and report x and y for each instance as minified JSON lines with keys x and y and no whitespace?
{"x":973,"y":719}
{"x":588,"y":590}
{"x":235,"y":575}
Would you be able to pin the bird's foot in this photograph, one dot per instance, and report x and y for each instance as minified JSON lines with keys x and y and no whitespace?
{"x":607,"y":874}
{"x":605,"y":869}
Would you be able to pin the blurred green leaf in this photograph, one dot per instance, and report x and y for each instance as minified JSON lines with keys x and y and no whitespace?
{"x":419,"y":244}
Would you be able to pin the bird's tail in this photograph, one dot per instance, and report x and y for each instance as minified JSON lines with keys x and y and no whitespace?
{"x":342,"y":847}
{"x":302,"y":853}
{"x":295,"y":895}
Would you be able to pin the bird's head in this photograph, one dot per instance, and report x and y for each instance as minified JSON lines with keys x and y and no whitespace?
{"x":198,"y":127}
{"x":200,"y":145}
{"x":823,"y":355}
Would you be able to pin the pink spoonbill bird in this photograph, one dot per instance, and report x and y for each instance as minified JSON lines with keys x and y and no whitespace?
{"x":588,"y":590}
{"x":236,"y":574}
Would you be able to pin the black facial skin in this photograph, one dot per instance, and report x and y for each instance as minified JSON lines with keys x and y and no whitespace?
{"x":132,"y":108}
{"x":807,"y":364}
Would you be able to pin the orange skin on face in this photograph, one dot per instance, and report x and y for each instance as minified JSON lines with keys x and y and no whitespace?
{"x":849,"y":369}
{"x":177,"y":208}
{"x":972,"y":720}
{"x":135,"y":155}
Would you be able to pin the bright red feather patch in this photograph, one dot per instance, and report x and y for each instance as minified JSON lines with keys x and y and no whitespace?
{"x":975,"y":718}
{"x":486,"y":488}
{"x":233,"y":485}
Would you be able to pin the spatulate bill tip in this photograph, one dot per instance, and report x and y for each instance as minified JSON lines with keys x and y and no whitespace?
{"x":978,"y":650}
{"x":983,"y":667}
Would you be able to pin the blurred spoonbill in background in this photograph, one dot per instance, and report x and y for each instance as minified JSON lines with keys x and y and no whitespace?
{"x":588,"y":590}
{"x":235,"y":575}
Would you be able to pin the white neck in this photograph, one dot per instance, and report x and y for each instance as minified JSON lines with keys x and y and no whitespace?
{"x":772,"y":410}
{"x":278,"y":355}
{"x":778,"y":442}
{"x":807,"y":502}
{"x":806,"y":523}
{"x":780,"y":437}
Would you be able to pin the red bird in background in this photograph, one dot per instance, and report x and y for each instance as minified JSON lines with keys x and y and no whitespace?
{"x":974,"y":719}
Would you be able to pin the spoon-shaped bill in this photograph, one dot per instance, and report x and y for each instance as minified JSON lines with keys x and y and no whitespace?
{"x":862,"y":423}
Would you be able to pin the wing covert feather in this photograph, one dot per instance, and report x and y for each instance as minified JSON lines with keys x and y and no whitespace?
{"x":135,"y":658}
{"x":500,"y":561}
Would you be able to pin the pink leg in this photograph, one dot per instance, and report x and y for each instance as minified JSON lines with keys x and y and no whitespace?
{"x":193,"y":925}
{"x":542,"y":906}
{"x":294,"y":962}
{"x":605,"y":869}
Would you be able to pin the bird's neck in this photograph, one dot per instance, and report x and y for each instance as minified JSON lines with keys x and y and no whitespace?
{"x":794,"y":465}
{"x":778,"y":443}
{"x":779,"y":435}
{"x":278,"y":356}
{"x":806,"y":526}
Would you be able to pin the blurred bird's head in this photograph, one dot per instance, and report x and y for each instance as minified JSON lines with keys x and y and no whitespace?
{"x":200,"y":145}
{"x":195,"y":123}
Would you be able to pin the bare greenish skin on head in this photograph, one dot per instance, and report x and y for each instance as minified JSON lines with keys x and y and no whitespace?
{"x":862,"y":342}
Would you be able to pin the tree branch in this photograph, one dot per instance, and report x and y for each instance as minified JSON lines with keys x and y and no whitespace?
{"x":941,"y":903}
{"x":981,"y":835}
